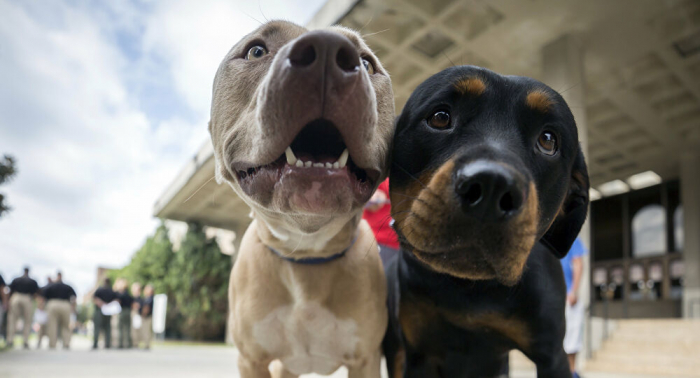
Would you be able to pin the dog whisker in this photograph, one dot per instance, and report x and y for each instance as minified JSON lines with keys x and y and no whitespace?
{"x":198,"y":189}
{"x":375,"y":33}
{"x":366,"y":23}
{"x":448,"y":59}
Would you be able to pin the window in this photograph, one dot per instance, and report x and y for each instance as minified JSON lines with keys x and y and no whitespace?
{"x":649,"y":231}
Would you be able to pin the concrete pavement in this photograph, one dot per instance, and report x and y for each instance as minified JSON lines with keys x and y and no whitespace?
{"x":166,"y":360}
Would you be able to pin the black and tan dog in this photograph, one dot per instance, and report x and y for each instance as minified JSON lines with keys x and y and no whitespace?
{"x":489,"y":187}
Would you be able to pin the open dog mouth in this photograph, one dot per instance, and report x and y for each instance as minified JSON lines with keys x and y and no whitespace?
{"x":318,"y":153}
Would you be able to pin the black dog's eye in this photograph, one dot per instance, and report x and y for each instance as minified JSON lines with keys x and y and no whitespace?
{"x":368,"y":66}
{"x":439,"y":120}
{"x":256,"y":52}
{"x":547,"y":143}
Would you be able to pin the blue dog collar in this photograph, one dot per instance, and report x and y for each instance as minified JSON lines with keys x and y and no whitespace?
{"x":312,"y":260}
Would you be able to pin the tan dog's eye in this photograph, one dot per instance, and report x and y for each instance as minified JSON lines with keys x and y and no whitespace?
{"x":368,"y":66}
{"x":547,"y":143}
{"x":439,"y":120}
{"x":256,"y":52}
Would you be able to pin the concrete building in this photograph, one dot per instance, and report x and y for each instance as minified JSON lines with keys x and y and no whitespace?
{"x":630,"y":71}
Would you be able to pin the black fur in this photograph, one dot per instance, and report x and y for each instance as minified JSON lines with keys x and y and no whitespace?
{"x":496,"y":125}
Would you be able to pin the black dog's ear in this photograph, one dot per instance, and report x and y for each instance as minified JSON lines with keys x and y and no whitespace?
{"x":566,"y":226}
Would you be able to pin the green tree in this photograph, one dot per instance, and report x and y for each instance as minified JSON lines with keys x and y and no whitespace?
{"x":151,"y":265}
{"x":8,"y":170}
{"x":195,"y":279}
{"x":199,"y":281}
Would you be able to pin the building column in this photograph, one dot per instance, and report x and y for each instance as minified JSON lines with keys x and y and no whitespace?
{"x":563,"y":71}
{"x":690,"y":199}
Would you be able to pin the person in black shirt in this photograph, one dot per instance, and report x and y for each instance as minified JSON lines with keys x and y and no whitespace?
{"x":147,"y":316}
{"x":60,"y":304}
{"x":4,"y":302}
{"x":22,"y":291}
{"x":126,"y":300}
{"x":103,"y":295}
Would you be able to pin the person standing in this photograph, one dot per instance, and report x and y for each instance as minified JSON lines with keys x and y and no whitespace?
{"x":22,"y":291}
{"x":572,"y":265}
{"x":41,"y":306}
{"x":147,"y":316}
{"x":136,"y":314}
{"x":4,"y":303}
{"x":60,"y":304}
{"x":103,"y":295}
{"x":378,"y":214}
{"x":126,"y":301}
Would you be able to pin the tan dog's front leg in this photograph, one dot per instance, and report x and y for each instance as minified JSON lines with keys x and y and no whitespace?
{"x":250,"y":369}
{"x":278,"y":371}
{"x":370,"y":369}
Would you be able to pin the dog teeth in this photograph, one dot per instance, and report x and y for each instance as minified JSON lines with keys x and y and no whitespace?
{"x":340,"y":163}
{"x":343,"y":159}
{"x":291,"y":159}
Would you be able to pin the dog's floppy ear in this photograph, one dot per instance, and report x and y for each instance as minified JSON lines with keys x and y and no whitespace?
{"x":572,"y":215}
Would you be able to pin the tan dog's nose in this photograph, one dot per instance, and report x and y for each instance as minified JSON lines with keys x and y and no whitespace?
{"x":320,"y":52}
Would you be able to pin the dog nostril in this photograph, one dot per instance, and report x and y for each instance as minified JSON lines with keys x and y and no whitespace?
{"x":506,"y":203}
{"x":346,"y":60}
{"x":471,"y":192}
{"x":510,"y":202}
{"x":303,"y":57}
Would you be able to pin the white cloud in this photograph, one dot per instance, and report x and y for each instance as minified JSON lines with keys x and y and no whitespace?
{"x":101,"y":105}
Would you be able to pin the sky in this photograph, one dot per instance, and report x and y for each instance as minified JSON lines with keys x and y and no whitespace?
{"x":101,"y":104}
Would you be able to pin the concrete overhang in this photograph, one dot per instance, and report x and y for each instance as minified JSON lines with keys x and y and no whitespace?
{"x":194,"y":196}
{"x":642,"y":94}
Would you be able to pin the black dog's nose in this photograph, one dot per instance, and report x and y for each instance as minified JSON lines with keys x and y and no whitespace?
{"x":321,"y":48}
{"x":489,"y":191}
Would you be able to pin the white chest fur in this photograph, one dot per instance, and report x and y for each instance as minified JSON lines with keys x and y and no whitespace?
{"x":307,"y":338}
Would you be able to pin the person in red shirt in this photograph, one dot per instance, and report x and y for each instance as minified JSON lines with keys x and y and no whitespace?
{"x":378,"y":215}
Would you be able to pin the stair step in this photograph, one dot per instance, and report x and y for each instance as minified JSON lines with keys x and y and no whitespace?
{"x":665,"y":371}
{"x":668,"y":347}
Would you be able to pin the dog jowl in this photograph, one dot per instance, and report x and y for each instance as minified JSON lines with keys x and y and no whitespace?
{"x":484,"y":166}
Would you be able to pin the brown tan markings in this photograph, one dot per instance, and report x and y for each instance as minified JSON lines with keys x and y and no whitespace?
{"x":470,"y":85}
{"x":510,"y":327}
{"x":399,"y":362}
{"x":420,"y":202}
{"x":423,"y":211}
{"x":417,"y":314}
{"x":539,"y":100}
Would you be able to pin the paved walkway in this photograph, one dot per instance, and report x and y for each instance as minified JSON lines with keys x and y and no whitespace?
{"x":170,"y":360}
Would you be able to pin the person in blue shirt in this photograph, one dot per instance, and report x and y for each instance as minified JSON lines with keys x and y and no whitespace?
{"x":572,"y":264}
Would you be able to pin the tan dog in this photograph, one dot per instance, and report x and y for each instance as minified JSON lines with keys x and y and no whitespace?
{"x":301,"y":124}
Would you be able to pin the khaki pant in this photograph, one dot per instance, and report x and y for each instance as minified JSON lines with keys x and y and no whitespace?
{"x":20,"y":304}
{"x":146,"y":331}
{"x":59,"y":317}
{"x":40,"y":335}
{"x":135,"y":332}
